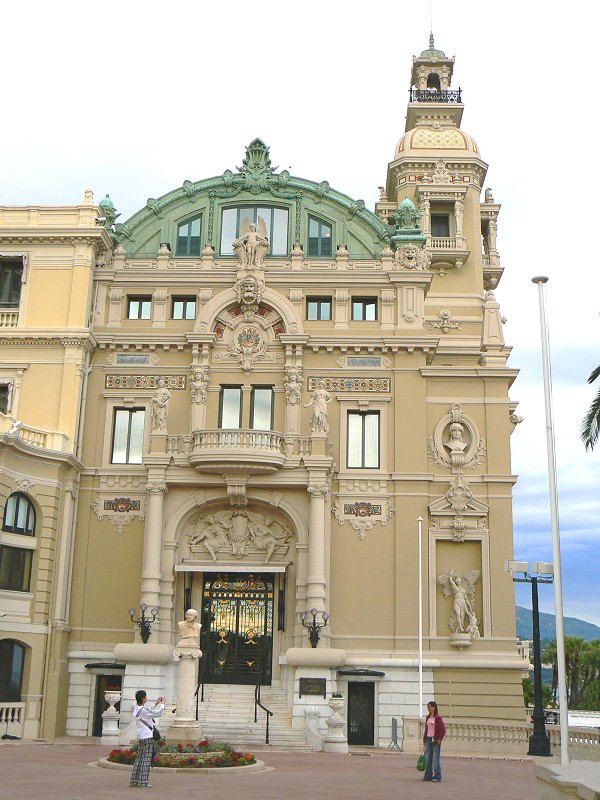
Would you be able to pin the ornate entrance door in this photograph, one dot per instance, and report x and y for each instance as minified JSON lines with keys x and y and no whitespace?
{"x":237,"y":628}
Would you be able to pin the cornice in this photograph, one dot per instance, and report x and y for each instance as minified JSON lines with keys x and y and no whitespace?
{"x":33,"y":338}
{"x":55,"y":235}
{"x":468,"y":372}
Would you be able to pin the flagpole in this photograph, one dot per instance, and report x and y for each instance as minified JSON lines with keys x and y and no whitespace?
{"x":420,"y":522}
{"x":540,"y":280}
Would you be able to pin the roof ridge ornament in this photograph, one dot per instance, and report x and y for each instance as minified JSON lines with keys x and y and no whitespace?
{"x":256,"y":167}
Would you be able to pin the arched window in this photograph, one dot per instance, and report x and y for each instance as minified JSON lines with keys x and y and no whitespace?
{"x":188,"y":237}
{"x":319,"y":237}
{"x":19,"y":515}
{"x":433,"y":81}
{"x":234,"y":220}
{"x":12,"y":659}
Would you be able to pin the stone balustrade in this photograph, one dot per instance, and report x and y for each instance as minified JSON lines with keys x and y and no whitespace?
{"x":9,"y":317}
{"x":442,"y":243}
{"x":34,"y":437}
{"x":12,"y":716}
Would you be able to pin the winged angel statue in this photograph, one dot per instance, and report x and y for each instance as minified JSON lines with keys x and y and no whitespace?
{"x":253,"y":244}
{"x":462,"y":588}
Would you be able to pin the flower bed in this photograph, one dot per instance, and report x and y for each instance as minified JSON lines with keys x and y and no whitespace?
{"x":203,"y":754}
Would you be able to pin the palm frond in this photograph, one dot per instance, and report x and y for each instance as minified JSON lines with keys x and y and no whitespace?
{"x":590,"y":427}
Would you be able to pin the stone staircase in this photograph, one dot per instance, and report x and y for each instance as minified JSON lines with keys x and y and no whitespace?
{"x":227,"y":714}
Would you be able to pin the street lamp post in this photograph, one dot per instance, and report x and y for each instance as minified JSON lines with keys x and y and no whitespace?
{"x":143,"y":622}
{"x":539,"y":741}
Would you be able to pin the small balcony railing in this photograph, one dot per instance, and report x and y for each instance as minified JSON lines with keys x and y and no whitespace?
{"x":435,"y":96}
{"x":12,"y":716}
{"x":9,"y":317}
{"x":442,"y":243}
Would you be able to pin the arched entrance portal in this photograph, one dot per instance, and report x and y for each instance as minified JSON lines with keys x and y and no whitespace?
{"x":237,"y":627}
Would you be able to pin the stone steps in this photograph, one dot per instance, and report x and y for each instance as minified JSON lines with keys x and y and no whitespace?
{"x":227,"y":713}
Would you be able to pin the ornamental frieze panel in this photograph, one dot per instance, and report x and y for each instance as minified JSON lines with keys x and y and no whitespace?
{"x":144,"y":381}
{"x":119,"y":510}
{"x":351,"y":384}
{"x":231,"y":536}
{"x":459,"y":513}
{"x":363,"y":515}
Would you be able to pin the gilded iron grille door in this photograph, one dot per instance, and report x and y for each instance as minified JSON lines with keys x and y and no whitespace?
{"x":237,"y":628}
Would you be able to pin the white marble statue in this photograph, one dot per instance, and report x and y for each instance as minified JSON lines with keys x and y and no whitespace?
{"x":189,"y":629}
{"x":252,"y":244}
{"x":160,"y":406}
{"x":320,"y":397}
{"x":462,"y":589}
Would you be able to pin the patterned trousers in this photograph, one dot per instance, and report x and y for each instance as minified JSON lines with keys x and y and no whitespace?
{"x":143,"y":762}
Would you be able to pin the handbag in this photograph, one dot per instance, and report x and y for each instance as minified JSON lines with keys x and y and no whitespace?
{"x":155,"y":732}
{"x":421,"y":762}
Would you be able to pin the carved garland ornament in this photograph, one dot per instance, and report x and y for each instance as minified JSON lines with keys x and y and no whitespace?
{"x":362,"y":515}
{"x":120,"y":511}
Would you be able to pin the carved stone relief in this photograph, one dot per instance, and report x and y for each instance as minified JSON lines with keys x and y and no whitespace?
{"x":456,"y":442}
{"x":444,"y":323}
{"x":362,"y":515}
{"x":239,"y":534}
{"x":293,"y":385}
{"x":249,"y":290}
{"x":199,"y":384}
{"x":409,"y":256}
{"x":119,"y":510}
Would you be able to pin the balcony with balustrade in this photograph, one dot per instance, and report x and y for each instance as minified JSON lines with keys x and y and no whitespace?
{"x":236,"y":450}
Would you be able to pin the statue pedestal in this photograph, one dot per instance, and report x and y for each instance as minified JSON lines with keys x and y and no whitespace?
{"x":460,"y":640}
{"x":185,"y":727}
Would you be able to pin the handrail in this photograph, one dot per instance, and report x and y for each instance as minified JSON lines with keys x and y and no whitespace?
{"x":258,"y":704}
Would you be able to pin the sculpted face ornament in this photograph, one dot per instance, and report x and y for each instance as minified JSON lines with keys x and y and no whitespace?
{"x":408,"y":256}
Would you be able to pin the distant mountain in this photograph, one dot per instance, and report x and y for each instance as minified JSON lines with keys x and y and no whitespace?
{"x":572,"y":626}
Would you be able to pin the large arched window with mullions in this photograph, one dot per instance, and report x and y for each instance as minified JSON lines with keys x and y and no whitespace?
{"x":273,"y":221}
{"x":16,"y":543}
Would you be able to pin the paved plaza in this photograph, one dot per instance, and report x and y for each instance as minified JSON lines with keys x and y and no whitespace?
{"x":56,"y":769}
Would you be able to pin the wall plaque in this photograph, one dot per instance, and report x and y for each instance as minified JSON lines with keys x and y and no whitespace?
{"x":312,"y":686}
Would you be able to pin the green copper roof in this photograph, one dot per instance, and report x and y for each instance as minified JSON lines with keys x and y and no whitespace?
{"x":432,"y":52}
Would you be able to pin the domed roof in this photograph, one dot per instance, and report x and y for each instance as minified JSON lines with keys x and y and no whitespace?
{"x":431,"y":52}
{"x":423,"y":138}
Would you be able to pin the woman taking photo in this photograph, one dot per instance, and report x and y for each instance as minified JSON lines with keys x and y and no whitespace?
{"x":144,"y":722}
{"x":432,"y":740}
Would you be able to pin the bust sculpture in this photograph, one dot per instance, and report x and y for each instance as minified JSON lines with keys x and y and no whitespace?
{"x":189,"y":629}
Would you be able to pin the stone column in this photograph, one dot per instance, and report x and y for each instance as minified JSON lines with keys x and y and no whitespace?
{"x":315,"y":590}
{"x":150,"y":590}
{"x":425,"y":218}
{"x":186,"y":727}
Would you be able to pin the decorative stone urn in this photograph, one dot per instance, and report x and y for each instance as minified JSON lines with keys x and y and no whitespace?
{"x":110,"y":719}
{"x":336,"y":740}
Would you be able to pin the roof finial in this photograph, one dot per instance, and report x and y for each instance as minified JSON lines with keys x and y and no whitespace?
{"x":431,"y":42}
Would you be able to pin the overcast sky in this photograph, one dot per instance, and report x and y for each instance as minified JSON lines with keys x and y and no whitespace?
{"x":133,"y":98}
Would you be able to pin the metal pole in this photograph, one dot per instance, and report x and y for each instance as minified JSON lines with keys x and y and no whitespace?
{"x":558,"y":603}
{"x":539,"y":741}
{"x":420,"y":522}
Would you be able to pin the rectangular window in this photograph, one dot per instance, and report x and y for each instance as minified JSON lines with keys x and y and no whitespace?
{"x":363,"y":440}
{"x":4,"y":397}
{"x":319,"y":237}
{"x":261,"y":408}
{"x":364,"y":308}
{"x":11,"y":275}
{"x":318,"y":308}
{"x":128,"y":436}
{"x":15,"y":569}
{"x":230,"y":407}
{"x":188,"y":238}
{"x":234,"y":221}
{"x":184,"y":308}
{"x":139,"y":306}
{"x":440,"y":225}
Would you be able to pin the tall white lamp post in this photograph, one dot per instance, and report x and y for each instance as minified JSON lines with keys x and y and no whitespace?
{"x":540,"y":280}
{"x":420,"y":523}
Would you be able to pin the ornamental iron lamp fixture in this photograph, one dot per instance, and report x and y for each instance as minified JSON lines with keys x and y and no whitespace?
{"x":539,"y":741}
{"x":143,"y":623}
{"x":314,"y":627}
